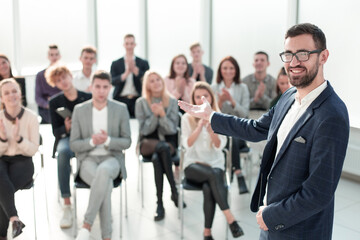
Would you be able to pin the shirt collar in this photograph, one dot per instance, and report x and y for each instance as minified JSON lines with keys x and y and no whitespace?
{"x":311,"y":96}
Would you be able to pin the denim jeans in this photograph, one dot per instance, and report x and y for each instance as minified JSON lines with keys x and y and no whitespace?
{"x":64,"y":169}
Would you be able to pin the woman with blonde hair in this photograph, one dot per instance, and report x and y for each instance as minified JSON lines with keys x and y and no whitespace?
{"x":204,"y":160}
{"x":157,"y":113}
{"x":19,"y":141}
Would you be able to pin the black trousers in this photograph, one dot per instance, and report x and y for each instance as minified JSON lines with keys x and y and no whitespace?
{"x":45,"y":115}
{"x":163,"y":164}
{"x":130,"y":103}
{"x":15,"y":173}
{"x":213,"y":187}
{"x":237,"y":144}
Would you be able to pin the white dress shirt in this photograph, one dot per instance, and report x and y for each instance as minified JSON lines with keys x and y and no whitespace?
{"x":129,"y":88}
{"x":100,"y":122}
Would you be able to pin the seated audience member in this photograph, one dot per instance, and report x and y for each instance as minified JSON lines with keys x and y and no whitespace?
{"x":19,"y":141}
{"x":282,"y":84}
{"x":5,"y":72}
{"x":100,"y":131}
{"x":81,"y":80}
{"x":198,"y":70}
{"x":157,"y":113}
{"x":261,"y":85}
{"x":204,"y":161}
{"x":60,"y":77}
{"x":43,"y":91}
{"x":178,"y":83}
{"x":233,"y":99}
{"x":127,"y":73}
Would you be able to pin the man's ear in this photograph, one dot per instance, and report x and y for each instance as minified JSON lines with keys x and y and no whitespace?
{"x":324,"y":55}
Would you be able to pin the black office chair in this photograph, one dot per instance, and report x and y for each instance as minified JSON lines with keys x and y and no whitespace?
{"x":80,"y":184}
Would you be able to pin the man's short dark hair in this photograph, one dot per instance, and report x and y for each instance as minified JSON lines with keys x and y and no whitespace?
{"x":102,"y":74}
{"x":129,"y":35}
{"x":263,"y":53}
{"x":308,"y":28}
{"x":88,"y":49}
{"x":53,"y":46}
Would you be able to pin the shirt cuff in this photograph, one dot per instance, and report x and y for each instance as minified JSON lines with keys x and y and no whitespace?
{"x":107,"y":142}
{"x":211,"y":115}
{"x":92,"y":143}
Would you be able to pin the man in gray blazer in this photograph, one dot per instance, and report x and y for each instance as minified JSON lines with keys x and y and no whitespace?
{"x":307,"y":133}
{"x":100,"y":132}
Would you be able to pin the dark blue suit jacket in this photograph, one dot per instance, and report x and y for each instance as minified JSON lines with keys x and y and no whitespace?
{"x":304,"y":176}
{"x":118,"y":68}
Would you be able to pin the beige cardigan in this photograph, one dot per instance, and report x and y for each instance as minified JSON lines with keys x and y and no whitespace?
{"x":28,"y":130}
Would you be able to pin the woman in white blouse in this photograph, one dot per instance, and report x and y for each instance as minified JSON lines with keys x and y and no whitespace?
{"x":234,"y":99}
{"x":19,"y":141}
{"x":204,"y":160}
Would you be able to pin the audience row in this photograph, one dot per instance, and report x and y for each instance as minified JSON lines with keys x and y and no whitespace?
{"x":96,"y":130}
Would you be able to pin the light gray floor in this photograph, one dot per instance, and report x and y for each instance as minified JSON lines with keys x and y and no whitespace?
{"x":140,"y":225}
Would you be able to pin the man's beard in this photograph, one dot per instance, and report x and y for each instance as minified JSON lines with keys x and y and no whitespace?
{"x":303,"y":82}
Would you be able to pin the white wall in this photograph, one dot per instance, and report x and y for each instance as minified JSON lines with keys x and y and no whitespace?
{"x":173,"y":27}
{"x":242,"y":27}
{"x":339,"y":21}
{"x":115,"y":20}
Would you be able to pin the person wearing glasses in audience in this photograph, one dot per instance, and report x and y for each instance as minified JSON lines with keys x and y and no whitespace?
{"x":19,"y":141}
{"x":61,"y":106}
{"x":5,"y":72}
{"x":204,"y":160}
{"x":158,"y":117}
{"x":261,"y":84}
{"x":233,"y":98}
{"x":307,"y":134}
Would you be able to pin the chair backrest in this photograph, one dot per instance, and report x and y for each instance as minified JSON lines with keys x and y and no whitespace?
{"x":79,"y":183}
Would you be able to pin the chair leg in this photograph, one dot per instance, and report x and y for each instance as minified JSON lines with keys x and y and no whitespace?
{"x":142,"y":183}
{"x":126,"y":206}
{"x":181,"y":210}
{"x":45,"y":188}
{"x":120,"y":220}
{"x":75,"y":212}
{"x":33,"y":192}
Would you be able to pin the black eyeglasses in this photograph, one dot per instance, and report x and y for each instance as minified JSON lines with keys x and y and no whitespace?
{"x":301,"y":56}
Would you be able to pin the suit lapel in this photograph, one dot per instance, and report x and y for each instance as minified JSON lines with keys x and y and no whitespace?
{"x":88,"y":121}
{"x":110,"y":119}
{"x":302,"y":121}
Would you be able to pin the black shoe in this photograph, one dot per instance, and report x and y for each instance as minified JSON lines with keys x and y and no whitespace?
{"x":236,"y":230}
{"x":242,"y":185}
{"x":160,"y":213}
{"x":208,"y":238}
{"x":17,"y":227}
{"x":175,"y":199}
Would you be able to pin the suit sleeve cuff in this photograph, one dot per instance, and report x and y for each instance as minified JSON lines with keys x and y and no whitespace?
{"x":107,"y":142}
{"x":211,"y":115}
